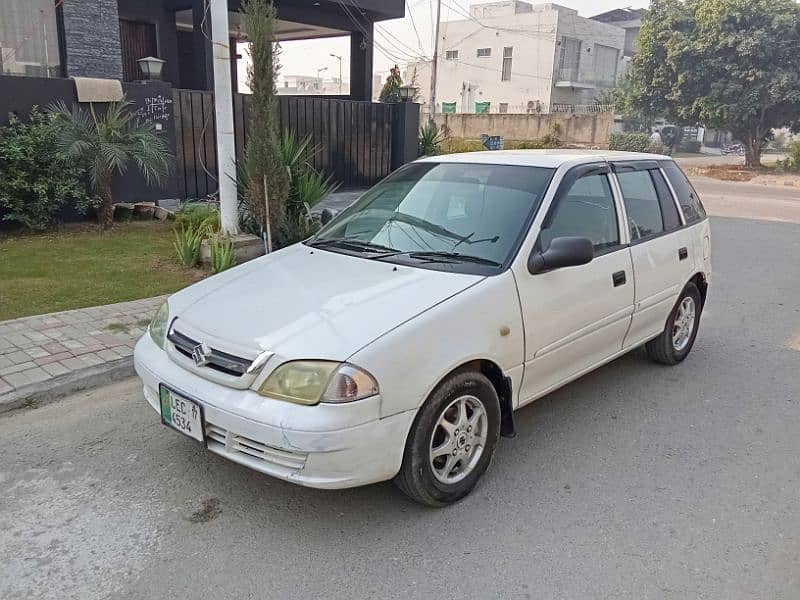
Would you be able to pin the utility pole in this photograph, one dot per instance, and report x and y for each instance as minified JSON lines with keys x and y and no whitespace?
{"x":435,"y":65}
{"x":340,"y":71}
{"x":223,"y":111}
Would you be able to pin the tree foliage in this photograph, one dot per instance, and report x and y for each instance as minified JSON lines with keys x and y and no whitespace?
{"x":263,"y":154}
{"x":730,"y":64}
{"x":35,"y":183}
{"x":391,"y":88}
{"x":108,"y":142}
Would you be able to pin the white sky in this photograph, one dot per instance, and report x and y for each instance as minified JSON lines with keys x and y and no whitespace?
{"x":305,"y":57}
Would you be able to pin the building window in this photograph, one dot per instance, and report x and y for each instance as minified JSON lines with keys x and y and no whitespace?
{"x":606,"y":60}
{"x":484,"y":52}
{"x":569,"y":61}
{"x":505,"y":75}
{"x":29,"y":42}
{"x":451,"y":55}
{"x":503,"y":108}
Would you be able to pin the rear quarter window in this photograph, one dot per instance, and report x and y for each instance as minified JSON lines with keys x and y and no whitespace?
{"x":690,"y":203}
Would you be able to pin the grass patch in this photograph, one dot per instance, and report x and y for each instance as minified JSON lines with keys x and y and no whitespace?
{"x":80,"y":266}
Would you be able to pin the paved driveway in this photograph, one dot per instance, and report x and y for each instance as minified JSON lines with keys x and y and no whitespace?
{"x":637,"y":482}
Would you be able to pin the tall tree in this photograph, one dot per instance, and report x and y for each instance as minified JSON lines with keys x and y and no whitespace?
{"x":262,"y":154}
{"x":730,"y":64}
{"x":391,"y":88}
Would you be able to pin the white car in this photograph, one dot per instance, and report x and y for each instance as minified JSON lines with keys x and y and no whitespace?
{"x":399,"y":340}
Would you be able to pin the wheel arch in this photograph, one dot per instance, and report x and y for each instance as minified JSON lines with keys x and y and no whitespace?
{"x":701,"y":281}
{"x":501,"y":383}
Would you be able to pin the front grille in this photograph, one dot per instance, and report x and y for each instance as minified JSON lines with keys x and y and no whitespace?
{"x":235,"y":443}
{"x":217,"y":360}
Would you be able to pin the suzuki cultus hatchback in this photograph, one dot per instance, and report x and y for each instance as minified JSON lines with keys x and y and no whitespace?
{"x":399,"y":340}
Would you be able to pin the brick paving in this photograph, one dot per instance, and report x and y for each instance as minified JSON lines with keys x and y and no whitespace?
{"x":36,"y":349}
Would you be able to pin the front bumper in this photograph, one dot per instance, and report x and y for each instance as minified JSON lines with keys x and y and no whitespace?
{"x":324,"y":446}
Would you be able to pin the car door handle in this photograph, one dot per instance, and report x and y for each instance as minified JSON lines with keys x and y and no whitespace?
{"x":683,"y":253}
{"x":619,"y":278}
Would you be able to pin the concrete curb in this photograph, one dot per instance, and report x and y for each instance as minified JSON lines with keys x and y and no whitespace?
{"x":47,"y":391}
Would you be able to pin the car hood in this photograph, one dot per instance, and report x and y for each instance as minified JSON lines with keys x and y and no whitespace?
{"x":304,"y":302}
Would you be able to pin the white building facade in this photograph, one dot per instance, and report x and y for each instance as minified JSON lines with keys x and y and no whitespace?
{"x":516,"y":57}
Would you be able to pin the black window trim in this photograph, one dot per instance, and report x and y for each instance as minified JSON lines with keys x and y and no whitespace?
{"x":570,"y":177}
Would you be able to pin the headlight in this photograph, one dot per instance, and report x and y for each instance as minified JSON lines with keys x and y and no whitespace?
{"x":159,"y":324}
{"x":313,"y":381}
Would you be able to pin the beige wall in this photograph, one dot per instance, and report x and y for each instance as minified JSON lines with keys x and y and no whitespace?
{"x":584,"y":130}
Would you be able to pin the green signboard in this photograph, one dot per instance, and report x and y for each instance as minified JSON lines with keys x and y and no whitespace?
{"x":449,"y":107}
{"x":482,"y":107}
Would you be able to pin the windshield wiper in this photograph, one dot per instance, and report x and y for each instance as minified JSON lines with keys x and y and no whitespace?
{"x":354,"y":244}
{"x":452,"y":257}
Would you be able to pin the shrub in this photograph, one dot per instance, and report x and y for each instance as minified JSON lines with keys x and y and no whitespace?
{"x":222,"y":257}
{"x":430,"y":139}
{"x":203,"y":217}
{"x":35,"y":183}
{"x":311,"y":186}
{"x":630,"y":142}
{"x":187,"y":245}
{"x":794,"y":156}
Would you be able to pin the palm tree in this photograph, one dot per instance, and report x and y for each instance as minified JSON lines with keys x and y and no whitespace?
{"x":108,"y":143}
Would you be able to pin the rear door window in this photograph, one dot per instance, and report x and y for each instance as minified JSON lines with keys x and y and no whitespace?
{"x":669,"y":210}
{"x":641,"y":203}
{"x":691,"y":206}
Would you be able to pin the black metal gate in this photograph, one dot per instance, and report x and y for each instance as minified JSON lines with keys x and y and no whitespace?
{"x":353,"y":139}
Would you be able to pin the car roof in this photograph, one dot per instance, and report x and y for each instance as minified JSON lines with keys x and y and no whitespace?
{"x":541,"y":158}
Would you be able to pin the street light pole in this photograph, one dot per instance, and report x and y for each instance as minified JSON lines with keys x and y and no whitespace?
{"x":319,"y":79}
{"x":340,"y":71}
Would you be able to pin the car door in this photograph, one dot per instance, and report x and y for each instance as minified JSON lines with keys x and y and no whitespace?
{"x":660,"y":246}
{"x":575,"y":318}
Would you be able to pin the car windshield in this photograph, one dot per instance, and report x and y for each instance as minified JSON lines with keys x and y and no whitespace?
{"x":436,"y":214}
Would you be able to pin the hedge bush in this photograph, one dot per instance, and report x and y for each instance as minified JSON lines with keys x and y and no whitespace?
{"x":794,"y":155}
{"x":35,"y":182}
{"x":630,"y":142}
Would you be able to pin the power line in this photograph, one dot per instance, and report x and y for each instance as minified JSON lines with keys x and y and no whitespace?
{"x":414,"y":24}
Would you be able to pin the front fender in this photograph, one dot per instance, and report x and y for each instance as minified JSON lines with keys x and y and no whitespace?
{"x":484,"y":322}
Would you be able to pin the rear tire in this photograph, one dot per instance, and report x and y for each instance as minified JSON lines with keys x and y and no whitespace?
{"x":676,"y":341}
{"x":452,"y":441}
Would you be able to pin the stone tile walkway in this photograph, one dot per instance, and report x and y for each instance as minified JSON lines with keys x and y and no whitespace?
{"x":36,"y":349}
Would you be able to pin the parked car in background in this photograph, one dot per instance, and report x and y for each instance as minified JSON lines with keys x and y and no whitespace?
{"x":399,"y":340}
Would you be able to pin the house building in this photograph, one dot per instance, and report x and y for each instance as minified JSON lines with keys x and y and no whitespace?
{"x":516,"y":57}
{"x":105,"y":38}
{"x":48,"y":46}
{"x":630,"y":19}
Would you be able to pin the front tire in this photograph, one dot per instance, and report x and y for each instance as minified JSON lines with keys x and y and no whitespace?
{"x":680,"y":332}
{"x":452,"y":441}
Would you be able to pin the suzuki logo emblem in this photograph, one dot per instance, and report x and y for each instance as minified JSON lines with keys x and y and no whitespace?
{"x":201,"y":354}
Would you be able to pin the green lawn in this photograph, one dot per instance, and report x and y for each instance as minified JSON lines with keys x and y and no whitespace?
{"x":82,"y":266}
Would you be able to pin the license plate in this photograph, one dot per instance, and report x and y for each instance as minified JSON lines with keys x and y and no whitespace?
{"x":180,"y":413}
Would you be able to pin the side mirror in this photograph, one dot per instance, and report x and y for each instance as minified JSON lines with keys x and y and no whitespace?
{"x":563,"y":252}
{"x":326,"y":216}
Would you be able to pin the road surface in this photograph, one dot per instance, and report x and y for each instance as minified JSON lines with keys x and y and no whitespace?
{"x":638,"y":481}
